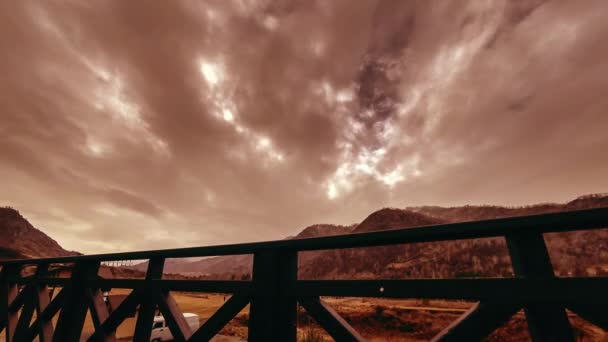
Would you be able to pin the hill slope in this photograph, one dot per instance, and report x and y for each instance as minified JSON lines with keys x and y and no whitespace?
{"x":19,"y":239}
{"x":574,"y":253}
{"x":239,"y":265}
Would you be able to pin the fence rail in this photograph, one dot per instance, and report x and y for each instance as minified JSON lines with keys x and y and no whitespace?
{"x":274,"y":291}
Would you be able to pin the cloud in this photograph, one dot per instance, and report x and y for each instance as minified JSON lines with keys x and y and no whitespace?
{"x":240,"y":120}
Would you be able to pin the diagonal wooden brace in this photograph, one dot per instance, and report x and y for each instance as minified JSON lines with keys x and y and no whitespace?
{"x":330,"y":320}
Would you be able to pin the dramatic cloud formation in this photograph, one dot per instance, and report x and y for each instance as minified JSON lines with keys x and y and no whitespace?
{"x":133,"y":125}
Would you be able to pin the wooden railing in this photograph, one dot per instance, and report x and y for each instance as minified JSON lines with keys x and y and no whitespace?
{"x":275,"y":290}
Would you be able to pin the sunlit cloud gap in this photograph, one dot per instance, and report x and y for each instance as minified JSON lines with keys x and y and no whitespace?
{"x":220,"y":97}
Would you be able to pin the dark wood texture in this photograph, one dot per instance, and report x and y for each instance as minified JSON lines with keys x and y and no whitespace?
{"x":43,"y":299}
{"x":218,"y":320}
{"x":530,"y":260}
{"x":540,"y":291}
{"x":27,"y":312}
{"x":124,"y":310}
{"x":273,"y":307}
{"x":99,"y":314}
{"x":10,"y":291}
{"x":74,"y":309}
{"x":330,"y":320}
{"x":478,"y":322}
{"x":147,"y":306}
{"x":594,"y":313}
{"x":173,"y":316}
{"x":45,"y":316}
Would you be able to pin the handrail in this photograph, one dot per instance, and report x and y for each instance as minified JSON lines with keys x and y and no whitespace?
{"x":275,"y":289}
{"x":543,"y":223}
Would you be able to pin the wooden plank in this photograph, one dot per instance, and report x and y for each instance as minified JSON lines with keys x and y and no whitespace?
{"x":260,"y":311}
{"x":8,"y":294}
{"x":124,"y":310}
{"x":212,"y":286}
{"x":330,"y":320}
{"x":508,"y":290}
{"x":548,"y":322}
{"x":31,"y":304}
{"x":530,"y":260}
{"x":46,"y":315}
{"x":99,"y":314}
{"x":99,"y":310}
{"x":74,"y":310}
{"x":27,"y":312}
{"x":273,"y":307}
{"x":594,"y":314}
{"x":220,"y":318}
{"x":147,"y":308}
{"x":54,"y":306}
{"x":287,"y":305}
{"x":63,"y":282}
{"x":17,"y":303}
{"x":42,"y":302}
{"x":4,"y":296}
{"x":529,"y":256}
{"x":478,"y":322}
{"x":46,"y":326}
{"x":553,"y":222}
{"x":565,"y":290}
{"x":174,"y":317}
{"x":4,"y":302}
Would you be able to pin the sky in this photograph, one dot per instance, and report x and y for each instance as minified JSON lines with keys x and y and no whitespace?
{"x":131,"y":125}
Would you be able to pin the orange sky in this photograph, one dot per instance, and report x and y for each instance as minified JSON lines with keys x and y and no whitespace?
{"x":133,"y":125}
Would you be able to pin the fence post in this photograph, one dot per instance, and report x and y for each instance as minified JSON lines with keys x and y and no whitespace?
{"x":530,"y":260}
{"x":74,"y":309}
{"x":273,"y":304}
{"x":147,"y":307}
{"x":43,"y":299}
{"x":31,"y":303}
{"x":8,"y":293}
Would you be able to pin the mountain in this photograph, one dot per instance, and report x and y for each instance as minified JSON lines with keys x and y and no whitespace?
{"x":9,"y":253}
{"x":363,"y":263}
{"x":391,"y":218}
{"x":318,"y":230}
{"x":238,"y":265}
{"x":21,"y":240}
{"x":485,"y":212}
{"x":311,"y":263}
{"x":573,"y":253}
{"x":583,"y":253}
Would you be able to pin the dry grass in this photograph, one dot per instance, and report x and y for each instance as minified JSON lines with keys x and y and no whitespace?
{"x":376,"y":319}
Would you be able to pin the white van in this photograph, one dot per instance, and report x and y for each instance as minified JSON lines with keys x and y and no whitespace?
{"x":161,"y":332}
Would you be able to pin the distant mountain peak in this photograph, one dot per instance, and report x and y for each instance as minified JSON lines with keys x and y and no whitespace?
{"x":10,"y":212}
{"x":594,"y":195}
{"x":318,"y":230}
{"x":393,"y":218}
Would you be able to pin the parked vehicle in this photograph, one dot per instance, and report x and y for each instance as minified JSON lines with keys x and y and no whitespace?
{"x":161,"y":332}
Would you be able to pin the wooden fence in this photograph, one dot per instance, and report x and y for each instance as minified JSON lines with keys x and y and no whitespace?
{"x":275,"y":289}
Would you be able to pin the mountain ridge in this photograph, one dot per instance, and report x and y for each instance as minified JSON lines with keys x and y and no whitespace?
{"x":483,"y":257}
{"x":22,"y":240}
{"x":458,"y":258}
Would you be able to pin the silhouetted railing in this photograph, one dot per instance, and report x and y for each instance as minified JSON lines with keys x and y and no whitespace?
{"x":275,"y":290}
